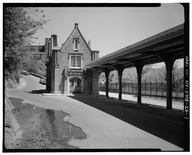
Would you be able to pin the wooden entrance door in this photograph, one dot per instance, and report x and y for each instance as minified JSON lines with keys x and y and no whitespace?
{"x":75,"y":86}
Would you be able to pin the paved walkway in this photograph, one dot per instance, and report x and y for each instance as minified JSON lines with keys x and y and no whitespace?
{"x":163,"y":123}
{"x":104,"y":130}
{"x":147,"y":100}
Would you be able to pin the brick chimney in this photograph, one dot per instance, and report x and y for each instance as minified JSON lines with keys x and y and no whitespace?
{"x":54,"y":37}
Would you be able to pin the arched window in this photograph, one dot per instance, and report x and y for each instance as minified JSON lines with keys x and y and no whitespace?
{"x":76,"y":44}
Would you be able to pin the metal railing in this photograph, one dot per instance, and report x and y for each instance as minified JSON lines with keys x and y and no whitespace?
{"x":158,"y":90}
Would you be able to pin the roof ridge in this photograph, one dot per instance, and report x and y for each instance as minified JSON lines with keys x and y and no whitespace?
{"x":62,"y":46}
{"x":75,"y":28}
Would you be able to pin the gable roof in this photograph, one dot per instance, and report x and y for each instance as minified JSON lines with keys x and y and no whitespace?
{"x":73,"y":32}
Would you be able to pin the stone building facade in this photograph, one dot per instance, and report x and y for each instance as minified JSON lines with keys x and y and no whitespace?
{"x":66,"y":66}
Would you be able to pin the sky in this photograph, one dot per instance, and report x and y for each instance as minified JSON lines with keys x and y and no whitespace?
{"x":109,"y":28}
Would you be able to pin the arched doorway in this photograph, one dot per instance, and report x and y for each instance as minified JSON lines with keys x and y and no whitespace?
{"x":75,"y":85}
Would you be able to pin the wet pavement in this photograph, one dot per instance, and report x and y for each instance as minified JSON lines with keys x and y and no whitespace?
{"x":44,"y":128}
{"x":60,"y":127}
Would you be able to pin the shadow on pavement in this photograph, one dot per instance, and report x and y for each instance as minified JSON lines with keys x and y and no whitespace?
{"x":40,"y":91}
{"x":163,"y":123}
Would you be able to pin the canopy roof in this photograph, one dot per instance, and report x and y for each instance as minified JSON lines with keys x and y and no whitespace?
{"x":169,"y":43}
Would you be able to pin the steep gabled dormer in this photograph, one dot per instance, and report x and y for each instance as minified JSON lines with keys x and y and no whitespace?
{"x":75,"y":37}
{"x":76,"y":50}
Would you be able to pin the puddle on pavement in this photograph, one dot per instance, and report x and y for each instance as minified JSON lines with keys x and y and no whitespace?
{"x":59,"y":127}
{"x":44,"y":128}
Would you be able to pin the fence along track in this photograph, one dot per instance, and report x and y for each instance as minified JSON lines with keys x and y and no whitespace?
{"x":157,"y":90}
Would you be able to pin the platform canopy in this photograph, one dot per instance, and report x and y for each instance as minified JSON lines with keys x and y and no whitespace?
{"x":169,"y":43}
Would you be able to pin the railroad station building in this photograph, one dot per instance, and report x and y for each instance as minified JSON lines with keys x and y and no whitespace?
{"x":75,"y":68}
{"x":66,"y":71}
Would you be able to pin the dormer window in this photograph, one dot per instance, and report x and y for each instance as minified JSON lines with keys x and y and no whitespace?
{"x":76,"y":44}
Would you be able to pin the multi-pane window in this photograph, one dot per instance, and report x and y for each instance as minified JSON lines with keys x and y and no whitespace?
{"x":73,"y":61}
{"x":76,"y":61}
